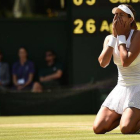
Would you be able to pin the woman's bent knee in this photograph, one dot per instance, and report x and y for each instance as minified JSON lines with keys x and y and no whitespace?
{"x":126,"y":130}
{"x":98,"y":130}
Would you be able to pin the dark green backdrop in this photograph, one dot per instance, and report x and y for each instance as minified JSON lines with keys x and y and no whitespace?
{"x":78,"y":52}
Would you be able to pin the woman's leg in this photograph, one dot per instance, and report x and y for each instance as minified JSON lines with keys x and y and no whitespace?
{"x":106,"y":120}
{"x":130,"y":121}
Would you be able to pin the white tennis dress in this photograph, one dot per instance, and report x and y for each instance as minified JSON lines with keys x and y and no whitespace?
{"x":127,"y":91}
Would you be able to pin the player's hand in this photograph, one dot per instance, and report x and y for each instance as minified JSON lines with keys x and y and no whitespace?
{"x":114,"y":32}
{"x":20,"y":87}
{"x":122,"y":28}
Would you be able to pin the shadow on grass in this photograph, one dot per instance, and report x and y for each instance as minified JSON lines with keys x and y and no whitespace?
{"x":112,"y":133}
{"x":121,"y":133}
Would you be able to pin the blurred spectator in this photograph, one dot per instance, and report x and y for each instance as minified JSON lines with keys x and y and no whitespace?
{"x":49,"y":76}
{"x":22,"y":7}
{"x":23,"y":71}
{"x":4,"y":73}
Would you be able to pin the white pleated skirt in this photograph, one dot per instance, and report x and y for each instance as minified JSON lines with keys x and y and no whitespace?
{"x":122,"y":97}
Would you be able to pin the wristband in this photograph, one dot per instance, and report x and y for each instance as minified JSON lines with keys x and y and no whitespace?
{"x":122,"y":39}
{"x":112,"y":41}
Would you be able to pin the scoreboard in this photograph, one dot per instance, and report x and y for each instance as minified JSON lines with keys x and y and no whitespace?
{"x":91,"y":16}
{"x":91,"y":22}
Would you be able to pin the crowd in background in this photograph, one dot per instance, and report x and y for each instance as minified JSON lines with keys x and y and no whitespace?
{"x":32,"y":8}
{"x":23,"y":73}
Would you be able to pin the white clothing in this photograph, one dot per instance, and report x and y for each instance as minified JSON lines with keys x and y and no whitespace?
{"x":127,"y":91}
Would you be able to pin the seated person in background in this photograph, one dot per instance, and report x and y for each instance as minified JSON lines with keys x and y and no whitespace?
{"x":4,"y":73}
{"x":49,"y":76}
{"x":23,"y":71}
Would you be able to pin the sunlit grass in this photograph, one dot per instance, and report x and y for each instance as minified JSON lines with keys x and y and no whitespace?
{"x":72,"y":127}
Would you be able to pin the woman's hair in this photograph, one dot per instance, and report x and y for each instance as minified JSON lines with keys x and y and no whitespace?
{"x":133,"y":24}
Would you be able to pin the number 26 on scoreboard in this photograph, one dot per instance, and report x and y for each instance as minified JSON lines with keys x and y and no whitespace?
{"x":89,"y":26}
{"x":80,"y":2}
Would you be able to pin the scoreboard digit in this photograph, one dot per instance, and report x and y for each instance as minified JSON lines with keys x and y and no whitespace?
{"x":80,"y":2}
{"x":77,"y":2}
{"x":79,"y":25}
{"x":90,"y":2}
{"x":90,"y":26}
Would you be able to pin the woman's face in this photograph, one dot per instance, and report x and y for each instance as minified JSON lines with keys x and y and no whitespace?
{"x":22,"y":53}
{"x":123,"y":16}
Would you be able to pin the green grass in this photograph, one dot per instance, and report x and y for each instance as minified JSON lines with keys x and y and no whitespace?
{"x":77,"y":127}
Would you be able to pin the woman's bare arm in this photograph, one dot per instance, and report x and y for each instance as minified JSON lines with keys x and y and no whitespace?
{"x":127,"y":57}
{"x":15,"y":80}
{"x":106,"y":54}
{"x":58,"y":74}
{"x":30,"y":79}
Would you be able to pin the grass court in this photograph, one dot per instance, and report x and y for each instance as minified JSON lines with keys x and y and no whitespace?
{"x":63,"y":127}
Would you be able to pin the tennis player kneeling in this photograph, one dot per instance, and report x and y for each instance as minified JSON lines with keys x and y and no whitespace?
{"x":122,"y":106}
